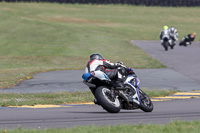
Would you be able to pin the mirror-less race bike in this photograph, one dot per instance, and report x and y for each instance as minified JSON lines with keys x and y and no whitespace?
{"x":113,"y":99}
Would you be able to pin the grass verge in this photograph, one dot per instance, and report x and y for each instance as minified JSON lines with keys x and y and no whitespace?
{"x":60,"y":98}
{"x":172,"y":127}
{"x":50,"y":36}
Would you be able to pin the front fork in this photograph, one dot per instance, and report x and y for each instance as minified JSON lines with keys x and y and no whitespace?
{"x":137,"y":96}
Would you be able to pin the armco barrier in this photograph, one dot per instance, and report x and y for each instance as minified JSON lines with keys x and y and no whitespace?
{"x":172,"y":3}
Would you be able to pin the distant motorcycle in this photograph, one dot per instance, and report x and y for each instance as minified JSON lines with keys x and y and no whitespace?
{"x":184,"y":42}
{"x":166,"y":41}
{"x":187,"y":40}
{"x":113,"y":99}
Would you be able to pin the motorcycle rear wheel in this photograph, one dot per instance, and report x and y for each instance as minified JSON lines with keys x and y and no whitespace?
{"x":103,"y":96}
{"x":146,"y":104}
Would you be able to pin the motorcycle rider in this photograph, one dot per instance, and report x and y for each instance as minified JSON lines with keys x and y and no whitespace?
{"x":97,"y":62}
{"x":188,"y":39}
{"x":164,"y":32}
{"x":173,"y":34}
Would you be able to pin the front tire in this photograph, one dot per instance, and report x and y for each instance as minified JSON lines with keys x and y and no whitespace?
{"x":103,"y":96}
{"x":146,"y":104}
{"x":165,"y":45}
{"x":172,"y":46}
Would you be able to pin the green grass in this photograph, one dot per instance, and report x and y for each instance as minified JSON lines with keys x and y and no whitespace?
{"x":44,"y":98}
{"x":14,"y":99}
{"x":158,"y":93}
{"x":172,"y":127}
{"x":37,"y":37}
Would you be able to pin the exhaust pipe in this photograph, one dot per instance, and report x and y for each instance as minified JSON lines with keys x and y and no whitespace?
{"x":121,"y":93}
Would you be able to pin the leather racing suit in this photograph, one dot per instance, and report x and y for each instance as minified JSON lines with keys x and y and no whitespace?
{"x":110,"y":69}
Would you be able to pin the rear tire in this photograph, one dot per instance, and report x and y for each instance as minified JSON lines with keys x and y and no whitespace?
{"x":103,"y":96}
{"x":146,"y":104}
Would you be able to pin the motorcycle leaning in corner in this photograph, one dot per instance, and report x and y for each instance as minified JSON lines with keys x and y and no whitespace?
{"x":187,"y":40}
{"x":112,"y":98}
{"x":184,"y":42}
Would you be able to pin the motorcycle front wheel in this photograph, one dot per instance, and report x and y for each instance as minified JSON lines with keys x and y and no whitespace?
{"x":104,"y":98}
{"x":165,"y":45}
{"x":172,"y":46}
{"x":146,"y":104}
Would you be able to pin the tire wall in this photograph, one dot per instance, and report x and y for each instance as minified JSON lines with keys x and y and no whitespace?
{"x":172,"y":3}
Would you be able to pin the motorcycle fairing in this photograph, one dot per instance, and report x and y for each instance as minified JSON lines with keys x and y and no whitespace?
{"x":135,"y":97}
{"x":101,"y":75}
{"x":98,"y":74}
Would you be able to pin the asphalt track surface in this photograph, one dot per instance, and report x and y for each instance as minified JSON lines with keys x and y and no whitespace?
{"x":164,"y":112}
{"x":185,"y":60}
{"x":71,"y":81}
{"x":74,"y":115}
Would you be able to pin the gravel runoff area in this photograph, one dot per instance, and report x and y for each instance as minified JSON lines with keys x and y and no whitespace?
{"x":183,"y":73}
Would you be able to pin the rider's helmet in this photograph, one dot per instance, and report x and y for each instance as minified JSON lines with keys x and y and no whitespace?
{"x":165,"y":27}
{"x":193,"y":35}
{"x":96,"y":56}
{"x":172,"y":28}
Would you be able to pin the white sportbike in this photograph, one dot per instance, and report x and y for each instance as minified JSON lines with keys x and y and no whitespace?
{"x":113,"y":99}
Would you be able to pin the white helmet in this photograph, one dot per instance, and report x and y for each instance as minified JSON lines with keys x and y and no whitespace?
{"x":172,"y":29}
